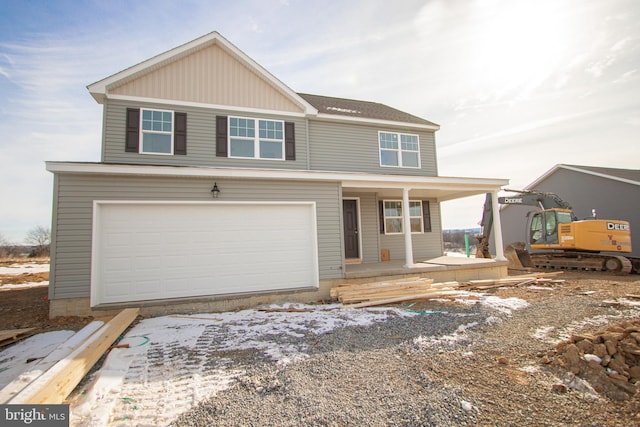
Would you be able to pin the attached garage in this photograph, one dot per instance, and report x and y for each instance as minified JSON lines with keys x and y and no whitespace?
{"x":161,"y":250}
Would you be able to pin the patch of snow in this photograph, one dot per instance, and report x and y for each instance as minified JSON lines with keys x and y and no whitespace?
{"x":19,"y":268}
{"x":504,"y":305}
{"x":492,"y":319}
{"x":174,"y":362}
{"x":543,"y":332}
{"x":592,"y":357}
{"x":530,"y":369}
{"x":343,"y":110}
{"x":540,"y":288}
{"x":445,"y":340}
{"x":10,"y":286}
{"x":13,"y":359}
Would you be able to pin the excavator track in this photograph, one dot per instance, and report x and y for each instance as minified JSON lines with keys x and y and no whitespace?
{"x":581,"y":261}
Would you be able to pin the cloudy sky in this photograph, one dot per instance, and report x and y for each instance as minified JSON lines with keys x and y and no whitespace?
{"x":517,"y":86}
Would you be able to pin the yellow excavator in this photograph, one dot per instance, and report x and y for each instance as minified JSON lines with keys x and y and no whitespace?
{"x":558,"y":240}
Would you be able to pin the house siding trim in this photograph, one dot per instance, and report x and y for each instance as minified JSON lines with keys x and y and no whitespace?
{"x":451,"y":186}
{"x":173,"y":102}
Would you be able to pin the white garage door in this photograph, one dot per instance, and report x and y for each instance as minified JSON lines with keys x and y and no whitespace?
{"x":157,"y":250}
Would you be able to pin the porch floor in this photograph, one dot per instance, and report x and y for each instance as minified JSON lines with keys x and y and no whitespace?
{"x":444,"y":268}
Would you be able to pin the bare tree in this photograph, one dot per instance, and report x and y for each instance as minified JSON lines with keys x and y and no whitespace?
{"x":7,"y":248}
{"x":40,"y":237}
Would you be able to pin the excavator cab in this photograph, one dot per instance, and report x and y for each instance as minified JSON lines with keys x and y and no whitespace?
{"x":543,"y":229}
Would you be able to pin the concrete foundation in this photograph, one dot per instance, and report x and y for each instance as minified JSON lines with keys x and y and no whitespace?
{"x":440,"y":270}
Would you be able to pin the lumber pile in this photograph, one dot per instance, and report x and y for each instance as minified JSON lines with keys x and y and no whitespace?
{"x":415,"y":288}
{"x":55,"y":377}
{"x":12,"y":335}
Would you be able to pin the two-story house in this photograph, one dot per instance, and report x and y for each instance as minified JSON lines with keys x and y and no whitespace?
{"x":219,"y":186}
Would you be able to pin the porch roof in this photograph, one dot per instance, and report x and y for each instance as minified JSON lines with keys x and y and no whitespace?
{"x":438,"y":187}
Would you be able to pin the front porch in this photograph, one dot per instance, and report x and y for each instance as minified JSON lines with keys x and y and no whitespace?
{"x":440,"y":269}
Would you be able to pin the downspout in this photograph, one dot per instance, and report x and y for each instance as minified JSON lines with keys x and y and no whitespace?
{"x":406,"y":219}
{"x":308,"y":144}
{"x":497,"y":227}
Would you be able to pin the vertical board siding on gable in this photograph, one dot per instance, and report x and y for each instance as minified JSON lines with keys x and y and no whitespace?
{"x":201,"y":139}
{"x":209,"y":75}
{"x":74,"y":210}
{"x":425,"y":245}
{"x":355,"y":148}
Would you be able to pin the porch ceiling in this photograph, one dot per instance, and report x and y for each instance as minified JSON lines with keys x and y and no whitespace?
{"x":439,"y":188}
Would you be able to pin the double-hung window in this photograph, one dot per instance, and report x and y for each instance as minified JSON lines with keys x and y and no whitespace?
{"x":399,"y":150}
{"x":156,"y":131}
{"x":256,"y":138}
{"x":394,"y":220}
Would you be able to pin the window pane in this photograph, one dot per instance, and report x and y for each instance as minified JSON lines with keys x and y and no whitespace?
{"x":147,"y":124}
{"x":270,"y":149}
{"x":146,"y":114}
{"x":242,"y":148}
{"x":416,"y":225}
{"x":410,"y":159}
{"x":409,"y":142}
{"x":156,"y":143}
{"x":393,"y":225}
{"x":415,"y":208}
{"x":270,"y":129}
{"x":388,"y":140}
{"x":242,"y":127}
{"x":388,"y":158}
{"x":393,"y":208}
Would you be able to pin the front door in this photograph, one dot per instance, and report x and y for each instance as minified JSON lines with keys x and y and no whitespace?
{"x":350,"y":220}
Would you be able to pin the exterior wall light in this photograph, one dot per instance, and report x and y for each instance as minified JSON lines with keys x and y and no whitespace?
{"x":215,"y":190}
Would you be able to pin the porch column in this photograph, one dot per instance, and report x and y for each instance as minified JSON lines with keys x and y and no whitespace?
{"x":497,"y":227}
{"x":406,"y":220}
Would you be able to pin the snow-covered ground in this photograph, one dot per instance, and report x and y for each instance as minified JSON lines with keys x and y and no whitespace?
{"x":175,"y":362}
{"x":22,"y":268}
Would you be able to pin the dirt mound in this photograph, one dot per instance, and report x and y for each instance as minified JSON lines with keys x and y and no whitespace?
{"x":608,"y":360}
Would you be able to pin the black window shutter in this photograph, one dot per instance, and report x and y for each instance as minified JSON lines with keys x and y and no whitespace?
{"x":426,"y":216}
{"x":133,"y":130}
{"x":381,"y":214}
{"x":290,"y":140}
{"x":180,"y":134}
{"x":221,"y":136}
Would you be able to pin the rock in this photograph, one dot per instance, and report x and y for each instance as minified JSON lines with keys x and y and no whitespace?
{"x":634,"y":372}
{"x":585,"y":346}
{"x":559,"y":388}
{"x":631,"y":349}
{"x":619,"y":366}
{"x":467,"y":406}
{"x":581,"y":337}
{"x":600,"y":350}
{"x":572,"y":357}
{"x":612,"y":346}
{"x":503,"y":360}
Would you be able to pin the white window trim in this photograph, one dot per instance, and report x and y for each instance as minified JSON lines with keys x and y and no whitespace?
{"x":399,"y":150}
{"x":384,"y":217}
{"x":142,"y":132}
{"x":256,"y":139}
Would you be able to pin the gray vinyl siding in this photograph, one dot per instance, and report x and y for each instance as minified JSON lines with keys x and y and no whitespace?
{"x":425,"y":245}
{"x":610,"y":198}
{"x":355,"y":148}
{"x":73,"y":209}
{"x":201,"y":139}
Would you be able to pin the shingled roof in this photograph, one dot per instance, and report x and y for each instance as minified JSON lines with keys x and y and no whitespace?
{"x":362,"y":109}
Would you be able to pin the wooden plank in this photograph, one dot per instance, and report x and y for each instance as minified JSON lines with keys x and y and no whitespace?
{"x":38,"y":369}
{"x":56,"y":384}
{"x":402,"y":298}
{"x":340,"y":288}
{"x":12,"y":335}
